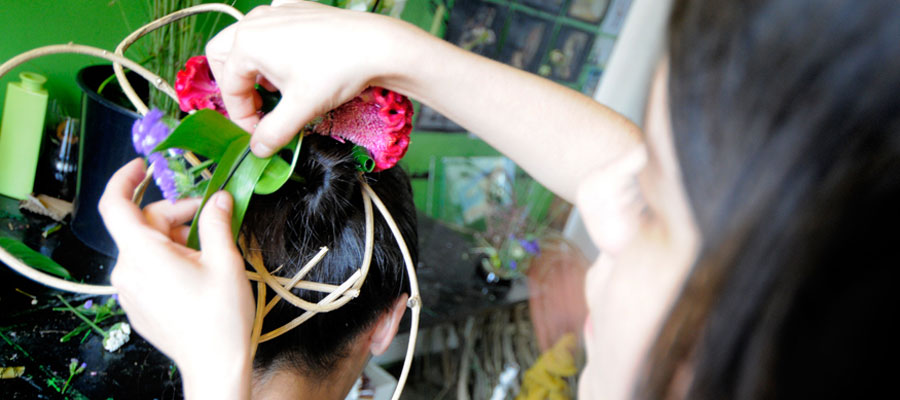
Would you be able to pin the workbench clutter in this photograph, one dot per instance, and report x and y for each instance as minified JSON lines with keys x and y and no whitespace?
{"x":205,"y":152}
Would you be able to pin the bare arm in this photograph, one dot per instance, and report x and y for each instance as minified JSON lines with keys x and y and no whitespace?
{"x":556,"y":134}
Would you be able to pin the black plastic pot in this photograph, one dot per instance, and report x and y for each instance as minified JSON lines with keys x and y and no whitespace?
{"x":105,"y":146}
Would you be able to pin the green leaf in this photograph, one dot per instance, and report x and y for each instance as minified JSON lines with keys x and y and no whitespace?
{"x":230,"y":156}
{"x":205,"y":132}
{"x":278,"y":172}
{"x":32,"y":258}
{"x":241,"y":187}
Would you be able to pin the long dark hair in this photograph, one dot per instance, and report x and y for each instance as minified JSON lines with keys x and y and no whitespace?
{"x":326,"y":209}
{"x":786,"y":123}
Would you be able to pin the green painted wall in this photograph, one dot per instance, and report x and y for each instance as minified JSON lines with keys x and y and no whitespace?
{"x":28,"y":24}
{"x":25,"y":25}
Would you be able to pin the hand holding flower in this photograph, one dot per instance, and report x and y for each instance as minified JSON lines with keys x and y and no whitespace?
{"x":195,"y":306}
{"x":283,"y":45}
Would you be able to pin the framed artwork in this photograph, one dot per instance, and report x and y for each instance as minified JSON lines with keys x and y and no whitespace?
{"x":473,"y":185}
{"x":526,"y":41}
{"x":477,"y":26}
{"x":550,"y":6}
{"x":588,"y":10}
{"x":568,"y":54}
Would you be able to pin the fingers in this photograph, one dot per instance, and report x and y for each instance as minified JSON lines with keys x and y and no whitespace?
{"x":119,"y":214}
{"x":279,"y":127}
{"x":236,"y":79}
{"x":218,"y":48}
{"x":164,"y":215}
{"x":216,"y":242}
{"x":237,"y":85}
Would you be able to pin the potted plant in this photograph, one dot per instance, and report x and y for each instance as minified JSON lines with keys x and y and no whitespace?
{"x":107,"y":116}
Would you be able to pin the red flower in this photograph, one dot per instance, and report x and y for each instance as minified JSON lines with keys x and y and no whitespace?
{"x":196,"y":88}
{"x":378,"y":119}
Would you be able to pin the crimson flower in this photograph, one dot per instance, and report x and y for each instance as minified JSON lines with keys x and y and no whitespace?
{"x":196,"y":88}
{"x":379,"y":120}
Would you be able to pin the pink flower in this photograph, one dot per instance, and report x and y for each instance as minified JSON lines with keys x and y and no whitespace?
{"x":196,"y":88}
{"x":378,"y":119}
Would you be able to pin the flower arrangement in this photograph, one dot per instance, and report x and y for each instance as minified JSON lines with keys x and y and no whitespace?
{"x":377,"y":120}
{"x":512,"y":236}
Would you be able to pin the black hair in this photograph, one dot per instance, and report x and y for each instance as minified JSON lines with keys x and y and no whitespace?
{"x":786,"y":123}
{"x":326,"y":209}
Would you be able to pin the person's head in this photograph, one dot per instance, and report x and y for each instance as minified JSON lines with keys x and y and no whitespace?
{"x":763,"y":262}
{"x":325,"y":208}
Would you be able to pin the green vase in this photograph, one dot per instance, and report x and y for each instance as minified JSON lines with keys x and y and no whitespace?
{"x":20,"y":134}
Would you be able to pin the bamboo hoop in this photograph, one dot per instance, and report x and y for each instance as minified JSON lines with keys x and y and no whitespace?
{"x":162,"y":84}
{"x":71,"y":48}
{"x":152,"y":26}
{"x":414,"y":302}
{"x":49,"y":280}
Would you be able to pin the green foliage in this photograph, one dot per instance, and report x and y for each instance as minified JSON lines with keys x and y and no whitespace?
{"x":32,"y":258}
{"x":211,"y":135}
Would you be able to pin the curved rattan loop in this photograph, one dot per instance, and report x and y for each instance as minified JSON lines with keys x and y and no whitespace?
{"x":152,"y":26}
{"x":71,"y":48}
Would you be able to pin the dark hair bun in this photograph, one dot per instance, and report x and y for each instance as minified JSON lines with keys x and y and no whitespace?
{"x":325,"y":208}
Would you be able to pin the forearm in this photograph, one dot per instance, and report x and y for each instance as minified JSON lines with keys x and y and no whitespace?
{"x":556,"y":134}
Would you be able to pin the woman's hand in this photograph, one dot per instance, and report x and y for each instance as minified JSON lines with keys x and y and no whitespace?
{"x":318,"y":57}
{"x":194,"y":306}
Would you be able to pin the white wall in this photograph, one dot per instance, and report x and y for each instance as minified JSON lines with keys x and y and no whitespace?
{"x":626,"y":81}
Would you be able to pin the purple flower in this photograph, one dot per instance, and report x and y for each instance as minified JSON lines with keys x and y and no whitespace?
{"x":115,"y":296}
{"x":88,"y":304}
{"x":163,"y":176}
{"x":513,"y":265}
{"x":83,"y":365}
{"x":531,"y":246}
{"x":148,"y":132}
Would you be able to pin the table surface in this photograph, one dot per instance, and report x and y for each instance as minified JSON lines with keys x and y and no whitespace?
{"x":451,"y":287}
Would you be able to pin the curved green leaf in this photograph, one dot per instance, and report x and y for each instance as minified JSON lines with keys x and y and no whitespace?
{"x":278,"y":172}
{"x":230,"y":156}
{"x":205,"y":132}
{"x":33,"y":258}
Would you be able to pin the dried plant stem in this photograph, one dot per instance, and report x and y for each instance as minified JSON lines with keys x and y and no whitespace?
{"x":50,"y":280}
{"x":258,"y":321}
{"x":299,"y":276}
{"x":255,"y":259}
{"x":415,"y":300}
{"x":152,"y":26}
{"x":72,"y":48}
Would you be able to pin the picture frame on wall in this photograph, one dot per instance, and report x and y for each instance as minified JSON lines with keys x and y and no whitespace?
{"x":477,"y":26}
{"x":551,"y":6}
{"x":567,"y":55}
{"x":526,"y":41}
{"x":591,"y":11}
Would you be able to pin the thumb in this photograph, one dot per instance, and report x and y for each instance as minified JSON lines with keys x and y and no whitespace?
{"x":214,"y":227}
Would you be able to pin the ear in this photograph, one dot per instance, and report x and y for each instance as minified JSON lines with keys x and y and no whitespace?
{"x":387,"y":325}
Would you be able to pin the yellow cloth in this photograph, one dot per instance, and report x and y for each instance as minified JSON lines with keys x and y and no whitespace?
{"x":545,"y":379}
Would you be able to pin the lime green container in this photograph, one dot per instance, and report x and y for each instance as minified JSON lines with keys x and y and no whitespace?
{"x":20,"y":134}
